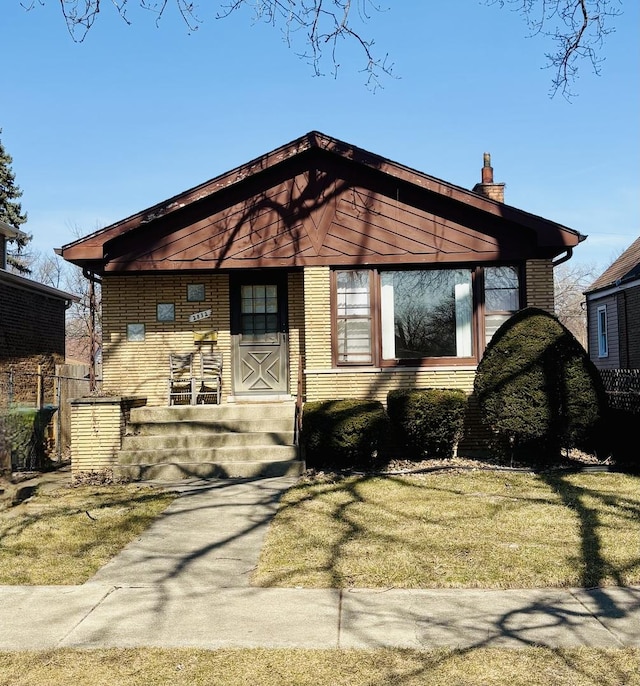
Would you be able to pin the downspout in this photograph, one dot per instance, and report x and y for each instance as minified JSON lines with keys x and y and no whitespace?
{"x":93,"y":280}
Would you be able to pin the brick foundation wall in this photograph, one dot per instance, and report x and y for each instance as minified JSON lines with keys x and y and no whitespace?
{"x":96,"y":430}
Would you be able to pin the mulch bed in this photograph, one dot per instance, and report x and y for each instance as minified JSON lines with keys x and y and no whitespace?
{"x":575,"y":461}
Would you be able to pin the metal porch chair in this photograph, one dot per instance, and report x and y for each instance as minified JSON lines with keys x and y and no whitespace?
{"x":208,"y":383}
{"x":181,"y":379}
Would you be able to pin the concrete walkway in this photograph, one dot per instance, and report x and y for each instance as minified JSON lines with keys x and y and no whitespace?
{"x":185,"y":582}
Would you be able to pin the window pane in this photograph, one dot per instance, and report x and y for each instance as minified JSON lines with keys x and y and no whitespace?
{"x":426,"y":313}
{"x":492,"y":323}
{"x":501,"y":294}
{"x":260,"y":313}
{"x":501,"y":289}
{"x":353,"y":293}
{"x":272,"y":305}
{"x":603,"y":343}
{"x":353,"y":326}
{"x":247,"y":324}
{"x":247,"y":305}
{"x":354,"y":340}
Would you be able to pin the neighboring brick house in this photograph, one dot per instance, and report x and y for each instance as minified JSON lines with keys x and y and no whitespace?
{"x":32,"y":325}
{"x":613,"y":313}
{"x":363,"y":273}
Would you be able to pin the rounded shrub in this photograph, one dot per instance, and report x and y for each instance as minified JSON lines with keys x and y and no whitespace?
{"x":426,"y":422}
{"x":538,"y":391}
{"x":342,"y":433}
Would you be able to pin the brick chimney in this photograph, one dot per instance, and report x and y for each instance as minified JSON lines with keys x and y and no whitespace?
{"x":487,"y":187}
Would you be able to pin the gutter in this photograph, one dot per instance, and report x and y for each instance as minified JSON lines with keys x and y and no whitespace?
{"x":91,"y":276}
{"x":567,"y":256}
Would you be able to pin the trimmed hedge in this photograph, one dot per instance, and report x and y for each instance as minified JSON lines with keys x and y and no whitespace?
{"x":342,"y":433}
{"x":539,"y":392}
{"x":23,"y":437}
{"x":427,"y":423}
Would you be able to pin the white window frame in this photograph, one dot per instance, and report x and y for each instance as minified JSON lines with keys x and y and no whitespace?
{"x":603,"y":337}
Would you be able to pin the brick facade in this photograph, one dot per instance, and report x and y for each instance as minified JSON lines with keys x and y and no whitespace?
{"x":32,"y":324}
{"x":141,"y":367}
{"x":539,"y":285}
{"x":32,"y":334}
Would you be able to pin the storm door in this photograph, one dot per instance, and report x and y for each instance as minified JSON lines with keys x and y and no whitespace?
{"x":259,"y":333}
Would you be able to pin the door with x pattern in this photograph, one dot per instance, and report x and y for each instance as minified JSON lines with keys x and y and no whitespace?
{"x":259,"y":330}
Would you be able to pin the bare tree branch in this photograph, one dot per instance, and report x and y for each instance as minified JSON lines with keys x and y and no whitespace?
{"x":324,"y":24}
{"x":576,"y":27}
{"x":570,"y":282}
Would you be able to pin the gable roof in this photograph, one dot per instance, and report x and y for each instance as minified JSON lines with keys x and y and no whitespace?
{"x":319,"y":201}
{"x":625,"y":268}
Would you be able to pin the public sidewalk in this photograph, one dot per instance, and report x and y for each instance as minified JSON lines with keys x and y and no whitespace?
{"x":185,"y":582}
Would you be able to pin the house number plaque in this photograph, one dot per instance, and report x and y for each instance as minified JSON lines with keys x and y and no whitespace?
{"x":198,"y":316}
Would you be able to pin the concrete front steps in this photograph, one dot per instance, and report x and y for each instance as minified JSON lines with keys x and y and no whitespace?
{"x":210,"y":441}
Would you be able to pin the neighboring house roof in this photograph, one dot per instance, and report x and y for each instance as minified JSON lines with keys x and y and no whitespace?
{"x":626,"y":268}
{"x":28,"y":284}
{"x":9,"y":232}
{"x":319,"y":201}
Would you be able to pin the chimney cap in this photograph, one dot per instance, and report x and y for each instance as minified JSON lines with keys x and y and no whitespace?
{"x":487,"y":169}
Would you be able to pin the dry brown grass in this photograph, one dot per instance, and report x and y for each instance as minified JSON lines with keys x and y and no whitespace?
{"x":258,"y":667}
{"x":471,"y":529}
{"x":65,"y":536}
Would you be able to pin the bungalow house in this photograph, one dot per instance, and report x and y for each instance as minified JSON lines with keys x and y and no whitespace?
{"x":613,"y":313}
{"x":317,"y":271}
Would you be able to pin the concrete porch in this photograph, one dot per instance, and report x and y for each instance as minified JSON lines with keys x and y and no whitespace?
{"x":234,"y":440}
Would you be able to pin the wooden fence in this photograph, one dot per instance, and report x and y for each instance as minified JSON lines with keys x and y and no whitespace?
{"x":40,"y":390}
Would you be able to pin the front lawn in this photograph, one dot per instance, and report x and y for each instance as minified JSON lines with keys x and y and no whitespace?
{"x":484,"y":529}
{"x":65,"y":536}
{"x":258,"y":667}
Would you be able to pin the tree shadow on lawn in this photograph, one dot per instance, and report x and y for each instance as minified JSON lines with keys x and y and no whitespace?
{"x":343,"y":497}
{"x":545,"y":616}
{"x":597,"y":571}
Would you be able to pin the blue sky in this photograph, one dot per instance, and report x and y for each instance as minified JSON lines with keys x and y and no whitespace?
{"x":135,"y":114}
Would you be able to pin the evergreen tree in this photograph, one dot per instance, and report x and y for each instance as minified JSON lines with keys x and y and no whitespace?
{"x":11,"y":210}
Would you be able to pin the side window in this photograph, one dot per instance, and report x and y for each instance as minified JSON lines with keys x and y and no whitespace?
{"x":353,"y":317}
{"x":501,"y":297}
{"x":603,"y":341}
